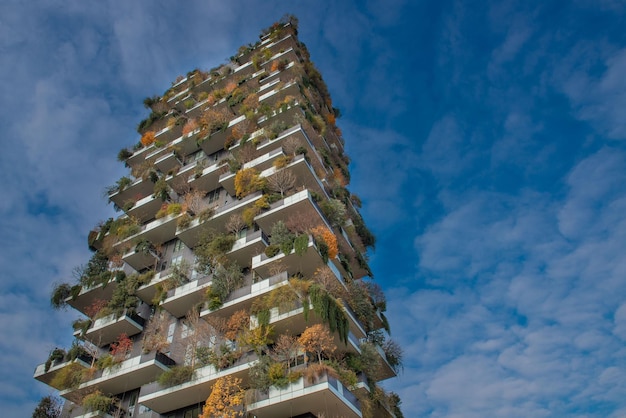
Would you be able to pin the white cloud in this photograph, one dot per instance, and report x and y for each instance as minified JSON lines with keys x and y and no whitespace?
{"x":523,"y":321}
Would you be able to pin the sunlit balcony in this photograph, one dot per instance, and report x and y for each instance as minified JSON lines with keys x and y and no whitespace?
{"x":157,"y":232}
{"x":325,"y":396}
{"x":300,"y":203}
{"x":147,"y":292}
{"x":180,"y":300}
{"x":105,"y":330}
{"x":190,"y":235}
{"x":129,"y":374}
{"x":216,"y":140}
{"x":306,"y":264}
{"x":295,"y":133}
{"x":275,"y":95}
{"x":245,"y":248}
{"x":163,"y":400}
{"x":139,"y":156}
{"x":263,"y":162}
{"x":301,"y":171}
{"x":168,"y":134}
{"x":243,"y":297}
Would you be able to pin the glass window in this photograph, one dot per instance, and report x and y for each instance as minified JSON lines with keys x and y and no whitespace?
{"x":178,"y":246}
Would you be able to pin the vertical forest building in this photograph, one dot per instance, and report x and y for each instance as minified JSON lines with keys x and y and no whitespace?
{"x":235,"y":281}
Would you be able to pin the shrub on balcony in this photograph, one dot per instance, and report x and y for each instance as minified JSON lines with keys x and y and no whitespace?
{"x":282,"y":237}
{"x":81,"y":325}
{"x":247,"y":181}
{"x":161,"y":189}
{"x":184,"y":221}
{"x":124,"y":155}
{"x":96,"y":401}
{"x":272,"y":250}
{"x":69,"y":377}
{"x":147,"y":138}
{"x":57,"y":354}
{"x":177,"y":375}
{"x":326,"y":242}
{"x":59,"y":294}
{"x":225,"y":280}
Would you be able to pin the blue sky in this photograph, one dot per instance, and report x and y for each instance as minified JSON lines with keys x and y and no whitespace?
{"x":487,"y":144}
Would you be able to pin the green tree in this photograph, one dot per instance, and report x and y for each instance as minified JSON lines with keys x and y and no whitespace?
{"x":48,"y":407}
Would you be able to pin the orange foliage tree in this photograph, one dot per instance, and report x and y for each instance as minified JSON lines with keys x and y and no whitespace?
{"x":317,"y":339}
{"x":225,"y":400}
{"x":147,"y":138}
{"x":190,"y":126}
{"x":121,"y":347}
{"x":326,"y":235}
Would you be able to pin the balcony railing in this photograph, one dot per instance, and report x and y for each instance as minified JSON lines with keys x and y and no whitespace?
{"x":304,"y":397}
{"x":105,"y":330}
{"x":129,"y":374}
{"x":46,"y":376}
{"x":183,"y":298}
{"x":243,"y":297}
{"x":198,"y":389}
{"x":189,"y":235}
{"x":245,"y":248}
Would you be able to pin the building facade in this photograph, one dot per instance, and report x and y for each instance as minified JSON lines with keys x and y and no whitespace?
{"x":237,"y":269}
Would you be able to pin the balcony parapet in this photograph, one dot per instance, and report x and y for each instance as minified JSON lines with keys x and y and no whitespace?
{"x":190,"y":235}
{"x":198,"y":389}
{"x":183,"y":298}
{"x":243,"y":297}
{"x":305,"y":396}
{"x":129,"y":374}
{"x":105,"y":330}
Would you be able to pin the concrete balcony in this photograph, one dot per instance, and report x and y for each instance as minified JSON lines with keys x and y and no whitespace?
{"x":303,"y":173}
{"x":209,"y":178}
{"x":140,"y":260}
{"x":145,"y":208}
{"x":263,"y":162}
{"x":300,"y":203}
{"x":46,"y":376}
{"x":245,"y":248}
{"x":157,"y":232}
{"x":163,"y":400}
{"x":180,"y":300}
{"x":105,"y":330}
{"x":167,"y":162}
{"x":88,"y":295}
{"x":147,"y":292}
{"x":168,"y":134}
{"x":296,"y":132}
{"x":275,"y":95}
{"x":129,"y":374}
{"x":325,"y":396}
{"x":216,"y":140}
{"x":190,"y":235}
{"x":293,"y":322}
{"x":307,"y":263}
{"x":139,"y":156}
{"x":136,"y":190}
{"x":243,"y":297}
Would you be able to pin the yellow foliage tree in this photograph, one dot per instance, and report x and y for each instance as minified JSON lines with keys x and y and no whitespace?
{"x":225,"y":400}
{"x":247,"y":180}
